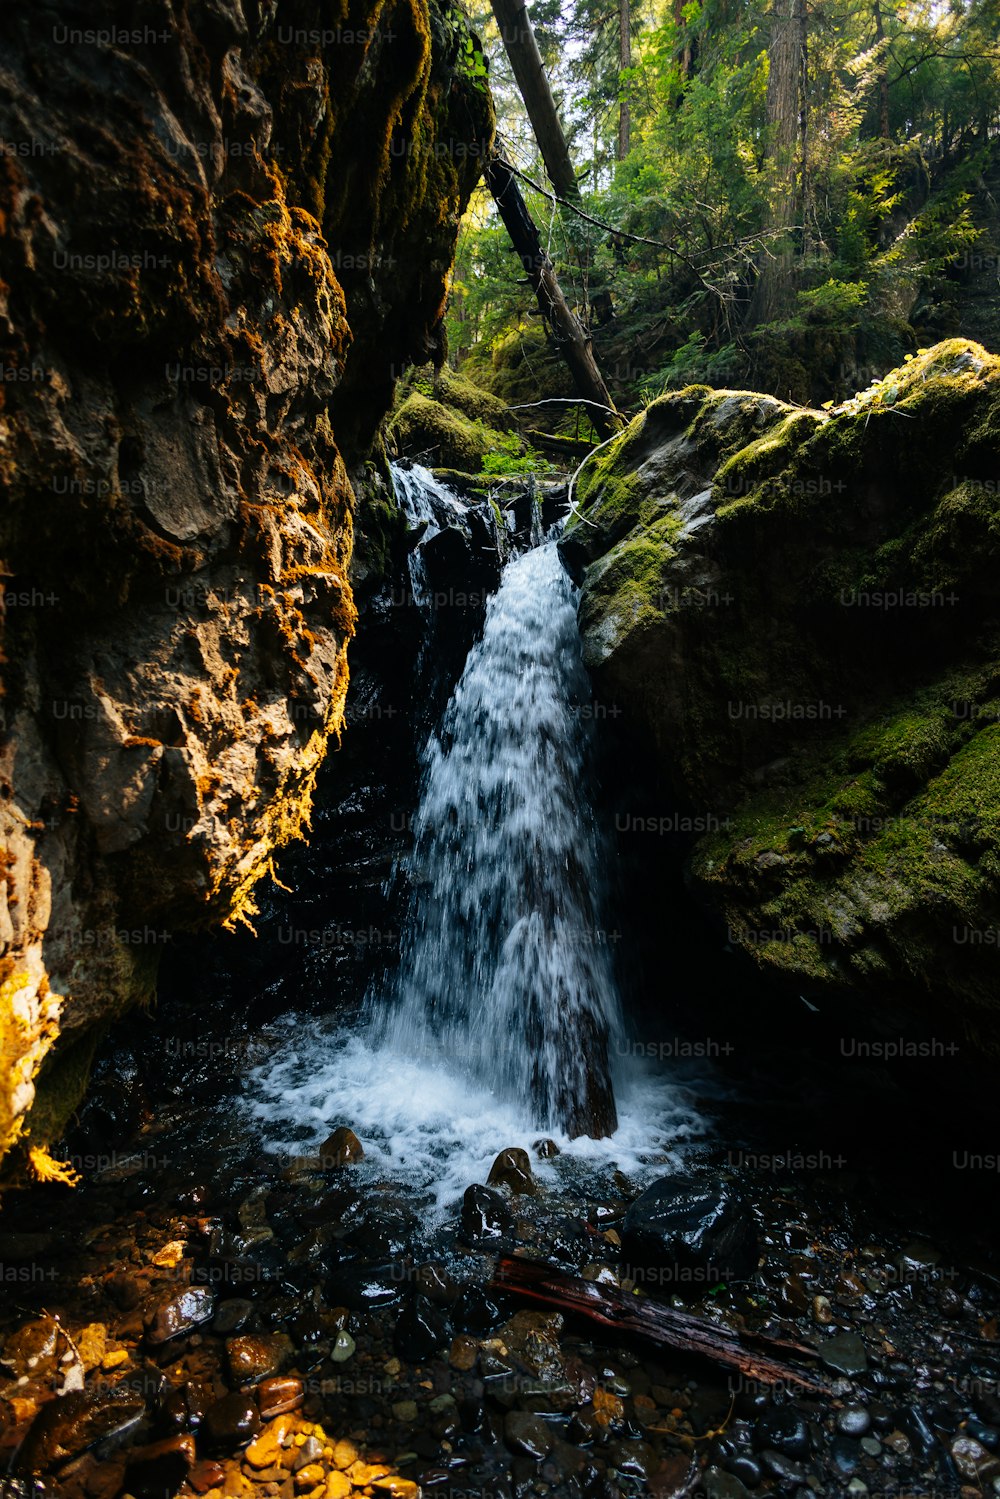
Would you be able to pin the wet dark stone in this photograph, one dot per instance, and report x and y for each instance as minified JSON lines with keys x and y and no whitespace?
{"x":512,"y":1169}
{"x":360,"y":1286}
{"x":183,"y":1409}
{"x":179,"y":1314}
{"x":420,"y":1330}
{"x":434,"y":1282}
{"x":720,"y":1485}
{"x":232,"y":1421}
{"x":913,"y":1425}
{"x":485,"y":1215}
{"x":844,"y":1353}
{"x":845,"y":1455}
{"x":527,"y":1433}
{"x":68,"y":1426}
{"x":685,"y":1237}
{"x":779,"y":1465}
{"x":477,"y":1313}
{"x":159,"y":1470}
{"x":853,"y":1421}
{"x":232,"y":1315}
{"x":988,"y":1435}
{"x":784,"y":1430}
{"x":746,"y":1469}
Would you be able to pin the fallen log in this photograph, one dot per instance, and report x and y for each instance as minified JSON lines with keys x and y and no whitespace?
{"x":659,"y":1324}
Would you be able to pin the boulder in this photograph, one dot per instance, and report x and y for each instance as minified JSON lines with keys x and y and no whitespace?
{"x":685,"y":1238}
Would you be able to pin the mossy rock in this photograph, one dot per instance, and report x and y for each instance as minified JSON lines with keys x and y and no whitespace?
{"x":803,"y":608}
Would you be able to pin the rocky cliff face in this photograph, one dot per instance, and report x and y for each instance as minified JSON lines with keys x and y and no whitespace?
{"x":224,"y":229}
{"x":801,"y":608}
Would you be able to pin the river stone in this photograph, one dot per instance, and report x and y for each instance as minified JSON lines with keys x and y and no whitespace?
{"x":342,"y":1148}
{"x":420,"y":1330}
{"x":853,"y":1421}
{"x":527,"y":1433}
{"x":232,"y":1421}
{"x":179,"y":1314}
{"x":160,"y":1469}
{"x":68,"y":1426}
{"x":512,"y":1168}
{"x":485,"y":1215}
{"x":844,"y":1353}
{"x":719,"y":1485}
{"x":686,"y":1237}
{"x":784,"y":1430}
{"x":255,"y":1356}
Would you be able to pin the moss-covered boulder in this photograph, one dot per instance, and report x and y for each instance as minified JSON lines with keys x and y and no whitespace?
{"x":803,"y":608}
{"x":448,"y":422}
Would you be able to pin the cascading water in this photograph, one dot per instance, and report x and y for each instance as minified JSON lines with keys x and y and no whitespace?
{"x":502,"y":1018}
{"x":506,"y":969}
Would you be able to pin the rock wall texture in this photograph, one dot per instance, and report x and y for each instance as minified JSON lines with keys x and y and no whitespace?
{"x":224,"y":229}
{"x":802,"y":609}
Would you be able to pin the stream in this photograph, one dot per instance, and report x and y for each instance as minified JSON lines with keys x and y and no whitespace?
{"x":277,"y":1276}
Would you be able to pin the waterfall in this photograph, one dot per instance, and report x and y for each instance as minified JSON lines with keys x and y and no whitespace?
{"x":506,"y":968}
{"x":502,"y":1018}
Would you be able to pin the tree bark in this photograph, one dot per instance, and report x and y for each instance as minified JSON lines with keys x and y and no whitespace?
{"x":529,"y":72}
{"x":569,"y":337}
{"x":661,"y":1325}
{"x":624,"y":63}
{"x":883,"y":74}
{"x":786,"y":130}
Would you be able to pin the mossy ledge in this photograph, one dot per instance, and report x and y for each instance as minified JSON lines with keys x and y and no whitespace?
{"x":233,"y":230}
{"x":802,"y":608}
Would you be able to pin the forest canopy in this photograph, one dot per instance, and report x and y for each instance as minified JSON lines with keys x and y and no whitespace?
{"x":792,"y":195}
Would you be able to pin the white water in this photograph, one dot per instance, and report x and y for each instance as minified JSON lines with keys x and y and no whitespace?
{"x":503,"y":1020}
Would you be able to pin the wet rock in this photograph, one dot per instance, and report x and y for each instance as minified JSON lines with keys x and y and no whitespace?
{"x":463,"y":1353}
{"x":844,"y":1353}
{"x":822,"y":1311}
{"x":279,"y":1394}
{"x":688,"y":1236}
{"x":342,"y":1148}
{"x":436,"y":1284}
{"x":232,"y":1421}
{"x":343,"y":1347}
{"x":545,"y":1149}
{"x":206,"y":1475}
{"x":270,"y":1446}
{"x":512,"y":1169}
{"x":527,"y":1433}
{"x":485,"y":1215}
{"x":405,"y":1411}
{"x":232,"y":1315}
{"x":784,"y":1430}
{"x":745,"y":1468}
{"x":782,"y":1467}
{"x":420,"y":1330}
{"x":720,"y":1485}
{"x":969,"y":1456}
{"x":845,"y":1455}
{"x":255,"y":1356}
{"x":476,"y":1312}
{"x":70,"y":1425}
{"x":635,"y":1459}
{"x":853,"y":1421}
{"x":914,"y":1426}
{"x":161,"y":1468}
{"x":179,"y":1314}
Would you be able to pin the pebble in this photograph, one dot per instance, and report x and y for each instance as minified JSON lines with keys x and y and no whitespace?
{"x":545,"y":1149}
{"x":342,"y":1148}
{"x":269,"y":1447}
{"x":822,"y":1311}
{"x":463,"y":1353}
{"x":783,"y":1430}
{"x":179,"y":1314}
{"x":160,"y":1468}
{"x":338,"y":1486}
{"x":232,"y":1315}
{"x":720,"y":1485}
{"x":967,"y":1455}
{"x":232,"y":1421}
{"x":343,"y":1347}
{"x":527,"y":1433}
{"x":853,"y":1421}
{"x":405,"y":1411}
{"x":255,"y":1356}
{"x":485,"y":1215}
{"x":279,"y":1394}
{"x":844,"y":1353}
{"x":871,"y":1446}
{"x":512,"y":1169}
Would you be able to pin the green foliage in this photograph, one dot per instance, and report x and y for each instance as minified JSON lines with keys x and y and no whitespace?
{"x":872,"y":251}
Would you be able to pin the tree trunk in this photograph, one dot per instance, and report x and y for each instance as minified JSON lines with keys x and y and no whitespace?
{"x":883,"y":73}
{"x":529,"y":72}
{"x":624,"y":63}
{"x":570,"y":339}
{"x":786,"y":132}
